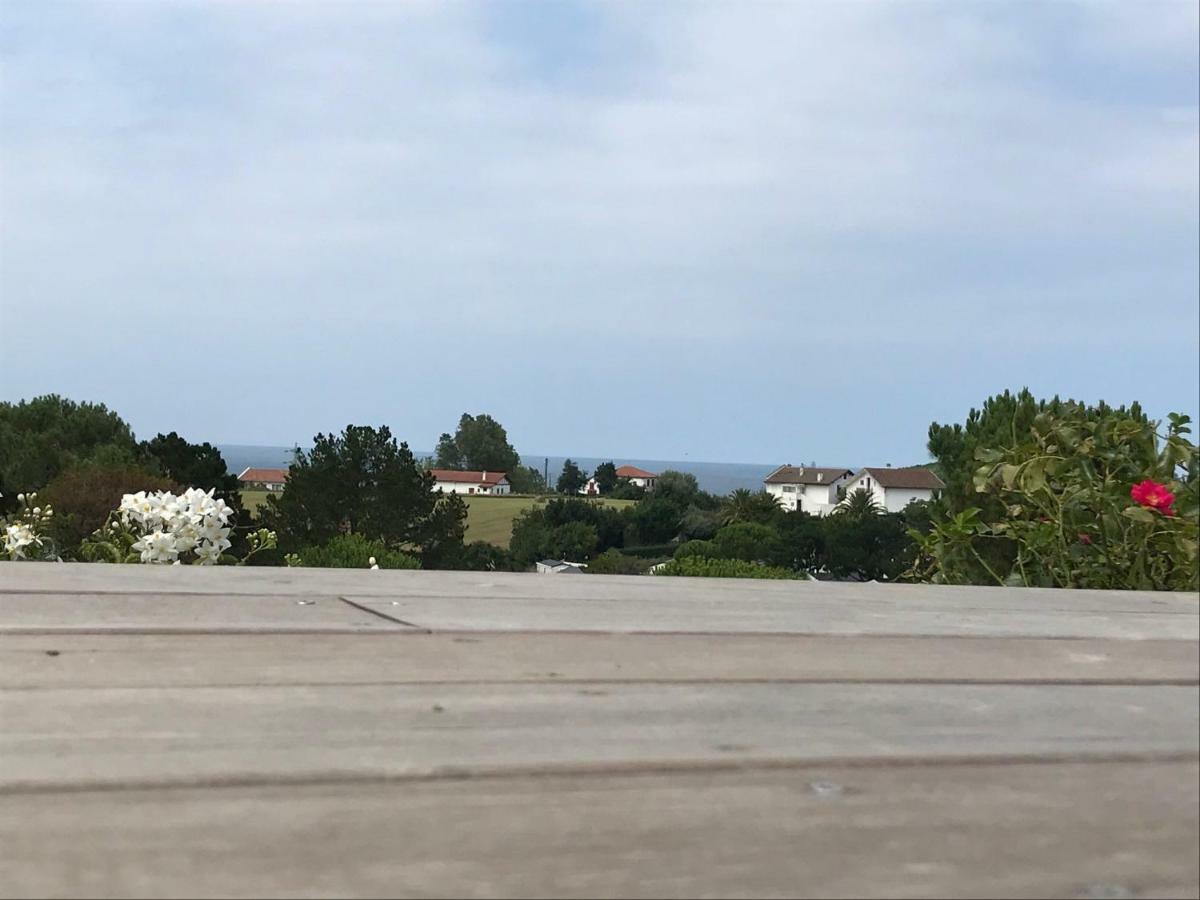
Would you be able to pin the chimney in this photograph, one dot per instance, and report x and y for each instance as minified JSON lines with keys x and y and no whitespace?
{"x":820,"y":476}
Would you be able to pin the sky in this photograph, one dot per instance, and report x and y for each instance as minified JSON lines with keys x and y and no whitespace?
{"x":743,"y":232}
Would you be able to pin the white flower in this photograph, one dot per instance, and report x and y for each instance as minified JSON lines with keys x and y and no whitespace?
{"x":157,"y":547}
{"x":371,"y":561}
{"x":187,"y":536}
{"x":208,"y":554}
{"x":17,"y":538}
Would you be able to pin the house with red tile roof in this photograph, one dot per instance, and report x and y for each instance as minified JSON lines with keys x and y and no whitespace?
{"x":258,"y":479}
{"x":810,"y":489}
{"x":452,"y":481}
{"x":638,"y":477}
{"x":893,"y":489}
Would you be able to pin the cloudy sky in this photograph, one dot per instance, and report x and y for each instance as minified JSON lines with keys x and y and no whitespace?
{"x":725,"y":231}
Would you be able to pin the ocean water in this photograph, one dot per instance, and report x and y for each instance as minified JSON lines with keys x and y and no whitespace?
{"x":716,"y":478}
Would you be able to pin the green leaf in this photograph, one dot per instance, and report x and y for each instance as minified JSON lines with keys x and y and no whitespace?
{"x":1138,"y":514}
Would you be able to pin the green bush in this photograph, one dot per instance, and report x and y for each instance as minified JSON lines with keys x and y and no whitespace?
{"x":699,"y":567}
{"x":747,"y":541}
{"x":614,"y":562}
{"x":352,"y":551}
{"x":706,"y":549}
{"x":1086,"y":500}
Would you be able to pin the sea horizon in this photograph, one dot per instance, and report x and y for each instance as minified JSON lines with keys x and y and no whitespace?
{"x":714,"y":477}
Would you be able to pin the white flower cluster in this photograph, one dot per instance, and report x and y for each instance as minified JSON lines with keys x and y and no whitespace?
{"x":170,"y":526}
{"x":17,"y":538}
{"x":23,"y":532}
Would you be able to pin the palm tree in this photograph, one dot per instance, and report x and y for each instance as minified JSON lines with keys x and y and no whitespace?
{"x":748,"y":506}
{"x":859,"y":504}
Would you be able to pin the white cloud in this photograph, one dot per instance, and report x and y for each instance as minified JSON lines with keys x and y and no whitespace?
{"x":715,"y":175}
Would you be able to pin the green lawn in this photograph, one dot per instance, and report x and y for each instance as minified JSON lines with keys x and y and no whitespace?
{"x":490,"y":518}
{"x":253,"y":499}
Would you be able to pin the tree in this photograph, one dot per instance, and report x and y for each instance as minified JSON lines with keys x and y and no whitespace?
{"x":677,"y":488}
{"x":1003,"y":422}
{"x":193,"y":465}
{"x":480,"y":556}
{"x":750,"y":506}
{"x":870,"y":548}
{"x":548,"y":530}
{"x":363,"y":482}
{"x":858,"y":504}
{"x":42,"y":437}
{"x":655,"y":520}
{"x":352,"y":551}
{"x":605,"y":476}
{"x":480,"y":444}
{"x":747,"y":540}
{"x":801,"y":542}
{"x":447,"y":455}
{"x":571,"y":479}
{"x":85,"y":495}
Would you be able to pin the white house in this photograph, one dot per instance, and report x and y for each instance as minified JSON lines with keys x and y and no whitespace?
{"x":558,"y":567}
{"x":591,"y":489}
{"x":809,"y":489}
{"x":454,"y":482}
{"x":639,"y":477}
{"x":894,"y":489}
{"x":257,"y":479}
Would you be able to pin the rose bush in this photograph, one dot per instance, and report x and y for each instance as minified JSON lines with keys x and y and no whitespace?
{"x":1090,"y":502}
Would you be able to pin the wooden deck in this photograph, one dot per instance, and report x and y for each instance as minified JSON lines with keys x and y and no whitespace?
{"x":239,"y":732}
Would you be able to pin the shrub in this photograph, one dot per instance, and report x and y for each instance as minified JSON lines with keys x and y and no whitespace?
{"x":614,"y":562}
{"x":84,"y":497}
{"x":699,"y":567}
{"x":747,"y":541}
{"x":1087,"y":500}
{"x":352,"y":551}
{"x":706,"y":549}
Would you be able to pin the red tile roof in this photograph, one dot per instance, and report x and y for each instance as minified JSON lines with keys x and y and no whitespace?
{"x":454,"y":476}
{"x":266,"y":476}
{"x":634,"y":472}
{"x":805,"y":475}
{"x":911,"y":477}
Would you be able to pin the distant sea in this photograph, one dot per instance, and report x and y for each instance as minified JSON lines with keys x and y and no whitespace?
{"x":716,"y":478}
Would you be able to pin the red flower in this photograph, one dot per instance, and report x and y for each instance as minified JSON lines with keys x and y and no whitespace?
{"x":1153,"y":495}
{"x":1085,"y":538}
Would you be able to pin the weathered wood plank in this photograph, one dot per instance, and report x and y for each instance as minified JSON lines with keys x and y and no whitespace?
{"x":891,"y":610}
{"x":200,"y":660}
{"x":1072,"y":830}
{"x":84,"y":612}
{"x":96,"y":578}
{"x":508,"y":601}
{"x":121,"y":736}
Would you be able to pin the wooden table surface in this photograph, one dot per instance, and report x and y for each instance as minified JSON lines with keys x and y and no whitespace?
{"x":188,"y":732}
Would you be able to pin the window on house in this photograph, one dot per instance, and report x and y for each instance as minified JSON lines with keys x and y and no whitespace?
{"x":789,"y":489}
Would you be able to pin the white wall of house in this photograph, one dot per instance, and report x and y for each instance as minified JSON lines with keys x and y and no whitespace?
{"x":891,"y":499}
{"x":788,"y":494}
{"x":464,"y":487}
{"x":814,"y":499}
{"x":820,"y":499}
{"x":647,"y":483}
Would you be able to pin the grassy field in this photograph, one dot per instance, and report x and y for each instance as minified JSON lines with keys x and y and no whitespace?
{"x":490,"y":518}
{"x":253,"y":499}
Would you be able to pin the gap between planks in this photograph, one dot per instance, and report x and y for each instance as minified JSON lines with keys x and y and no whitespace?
{"x":533,"y":773}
